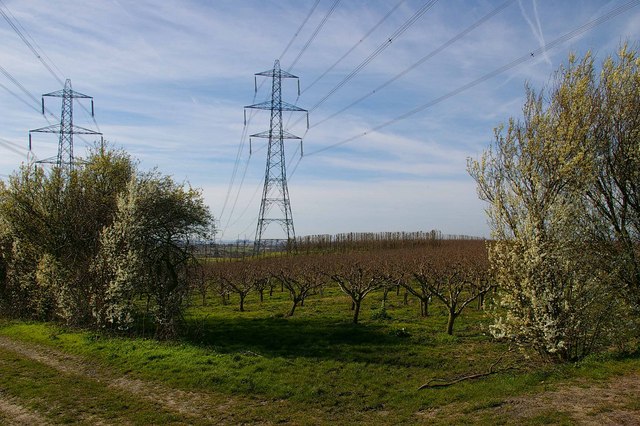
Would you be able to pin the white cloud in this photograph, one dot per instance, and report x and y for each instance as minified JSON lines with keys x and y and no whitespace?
{"x":170,"y":80}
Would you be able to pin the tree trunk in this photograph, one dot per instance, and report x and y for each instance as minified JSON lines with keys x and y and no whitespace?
{"x":385,"y":296}
{"x":261,"y":296}
{"x":452,"y":318}
{"x":293,"y":308}
{"x":356,"y":311}
{"x":242,"y":302}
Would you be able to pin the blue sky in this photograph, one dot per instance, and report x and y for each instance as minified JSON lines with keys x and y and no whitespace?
{"x":170,"y":80}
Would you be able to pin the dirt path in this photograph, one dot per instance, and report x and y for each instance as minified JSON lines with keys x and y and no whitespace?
{"x":17,"y":415}
{"x":196,"y":405}
{"x":615,"y":402}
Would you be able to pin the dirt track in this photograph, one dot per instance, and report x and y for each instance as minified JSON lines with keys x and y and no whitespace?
{"x":189,"y":404}
{"x":615,"y":402}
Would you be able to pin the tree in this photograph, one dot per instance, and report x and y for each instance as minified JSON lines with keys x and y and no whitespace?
{"x":263,"y":277}
{"x":148,"y":249}
{"x":535,"y":179}
{"x":614,"y":195}
{"x":50,"y":227}
{"x":455,"y":278}
{"x":357,"y":276}
{"x":238,"y":277}
{"x":301,"y":276}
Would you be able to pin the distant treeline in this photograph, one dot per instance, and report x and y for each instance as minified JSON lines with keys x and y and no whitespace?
{"x":344,"y":242}
{"x":374,"y":240}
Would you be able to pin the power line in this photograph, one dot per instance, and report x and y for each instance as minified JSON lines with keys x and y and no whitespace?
{"x":315,"y":34}
{"x":251,"y":225}
{"x":237,"y":160}
{"x":24,"y":39}
{"x":28,"y":94}
{"x":234,"y":171}
{"x":19,"y":85}
{"x":348,"y":52}
{"x":295,"y":167}
{"x":21,"y":99}
{"x":246,"y":208}
{"x":422,"y":60}
{"x":43,"y":110}
{"x":13,"y":147}
{"x":14,"y":23}
{"x":397,"y":33}
{"x":8,"y":142}
{"x":233,"y":207}
{"x":313,"y":8}
{"x":528,"y":56}
{"x":235,"y":201}
{"x":236,"y":164}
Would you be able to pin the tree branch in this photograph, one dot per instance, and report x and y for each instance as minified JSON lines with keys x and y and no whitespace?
{"x":448,"y":382}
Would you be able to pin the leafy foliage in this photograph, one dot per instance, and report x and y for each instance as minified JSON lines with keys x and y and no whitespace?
{"x":78,"y":247}
{"x":558,"y":249}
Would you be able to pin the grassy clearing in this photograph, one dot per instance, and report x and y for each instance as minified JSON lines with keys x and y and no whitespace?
{"x":315,"y":362}
{"x":68,"y":398}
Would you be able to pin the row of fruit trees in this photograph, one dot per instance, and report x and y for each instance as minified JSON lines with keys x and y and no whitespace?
{"x":455,"y":272}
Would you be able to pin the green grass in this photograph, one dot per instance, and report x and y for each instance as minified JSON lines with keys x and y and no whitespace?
{"x":46,"y":391}
{"x":316,"y":360}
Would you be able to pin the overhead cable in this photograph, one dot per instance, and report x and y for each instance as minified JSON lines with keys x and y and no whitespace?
{"x":422,"y":60}
{"x":526,"y":57}
{"x":348,"y":52}
{"x":295,"y":35}
{"x":17,"y":30}
{"x":390,"y":39}
{"x":314,"y":35}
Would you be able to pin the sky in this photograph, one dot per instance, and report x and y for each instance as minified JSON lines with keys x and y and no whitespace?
{"x":170,"y":81}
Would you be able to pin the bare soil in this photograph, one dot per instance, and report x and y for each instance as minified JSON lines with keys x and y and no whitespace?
{"x":613,"y":402}
{"x":196,"y":405}
{"x":14,"y":414}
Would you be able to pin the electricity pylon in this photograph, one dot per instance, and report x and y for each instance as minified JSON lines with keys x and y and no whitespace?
{"x":66,"y":129}
{"x":275,"y":191}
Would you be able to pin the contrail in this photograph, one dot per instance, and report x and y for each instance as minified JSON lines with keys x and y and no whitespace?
{"x":535,"y":28}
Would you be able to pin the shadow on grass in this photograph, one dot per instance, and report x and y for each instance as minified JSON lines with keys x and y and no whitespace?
{"x":289,"y":338}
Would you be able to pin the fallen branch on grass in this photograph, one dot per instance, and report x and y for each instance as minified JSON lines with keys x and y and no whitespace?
{"x":447,"y":382}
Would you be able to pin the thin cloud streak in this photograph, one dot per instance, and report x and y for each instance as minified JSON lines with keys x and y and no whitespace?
{"x":170,"y":81}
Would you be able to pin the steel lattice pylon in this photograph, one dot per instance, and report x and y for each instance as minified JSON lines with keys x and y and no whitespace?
{"x":66,"y":129}
{"x":275,"y":191}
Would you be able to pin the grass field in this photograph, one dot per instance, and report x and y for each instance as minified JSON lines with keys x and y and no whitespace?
{"x":317,"y":367}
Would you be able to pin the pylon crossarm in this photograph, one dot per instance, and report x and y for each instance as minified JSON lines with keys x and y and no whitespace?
{"x":84,"y":131}
{"x":50,"y":160}
{"x":290,"y":107}
{"x":277,"y":73}
{"x":65,"y":129}
{"x":268,"y":105}
{"x":72,"y":93}
{"x":54,"y":128}
{"x":267,"y":134}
